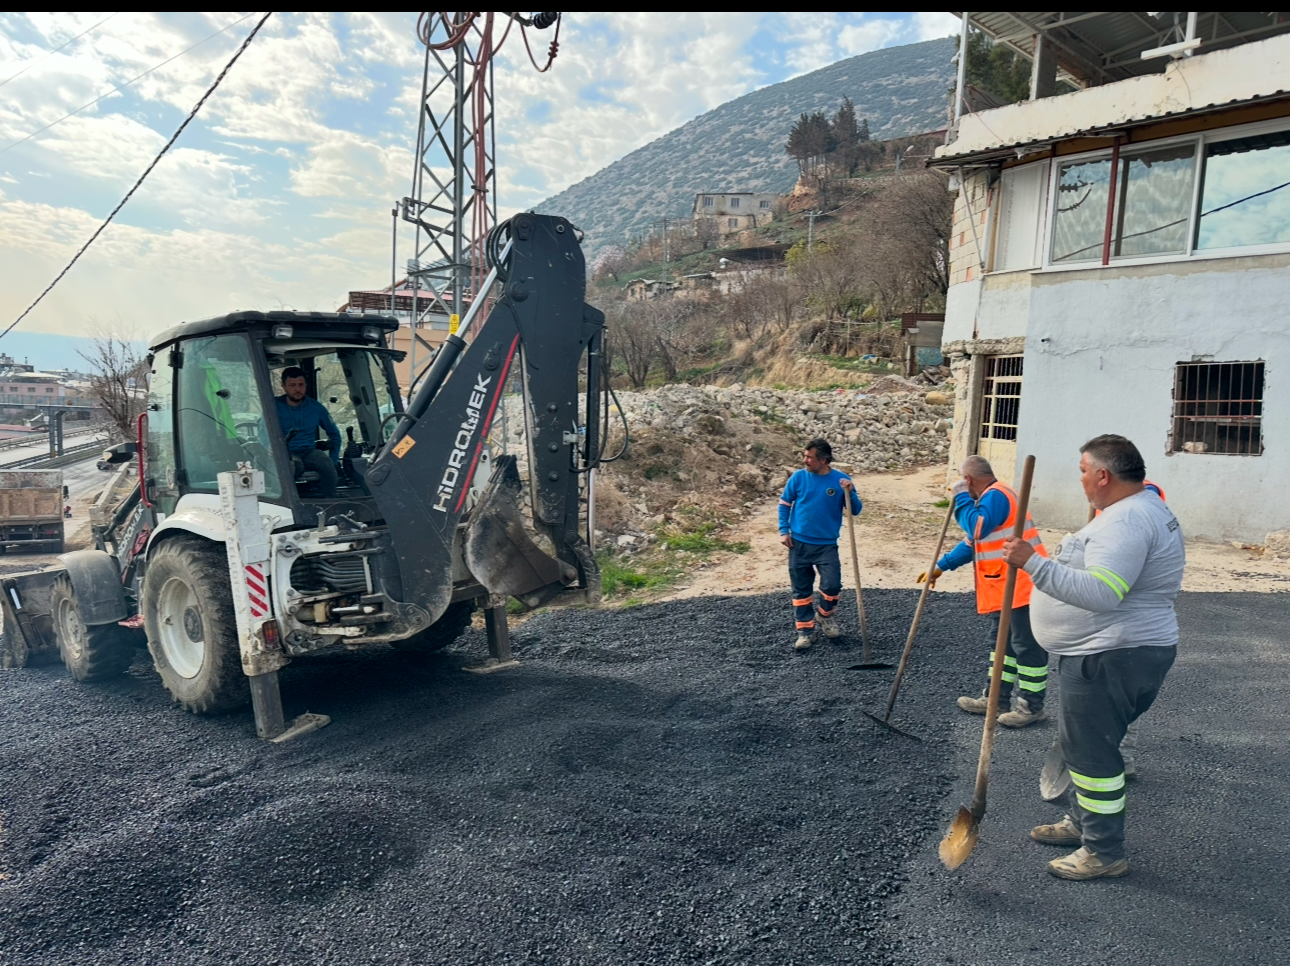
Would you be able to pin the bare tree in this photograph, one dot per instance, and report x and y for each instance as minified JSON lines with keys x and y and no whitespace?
{"x":632,"y":340}
{"x":762,"y":302}
{"x":118,"y":374}
{"x":611,"y":261}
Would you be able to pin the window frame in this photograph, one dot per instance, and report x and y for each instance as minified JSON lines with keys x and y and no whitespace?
{"x":1198,"y":163}
{"x":1048,"y":225}
{"x":1175,"y":448}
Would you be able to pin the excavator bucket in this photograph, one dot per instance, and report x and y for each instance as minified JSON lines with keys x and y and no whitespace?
{"x":500,"y":552}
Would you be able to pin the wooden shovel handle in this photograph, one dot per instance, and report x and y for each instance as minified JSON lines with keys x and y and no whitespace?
{"x":855,"y":569}
{"x":1000,"y":651}
{"x":918,"y":614}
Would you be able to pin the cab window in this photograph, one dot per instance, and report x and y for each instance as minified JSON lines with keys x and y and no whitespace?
{"x":221,"y":416}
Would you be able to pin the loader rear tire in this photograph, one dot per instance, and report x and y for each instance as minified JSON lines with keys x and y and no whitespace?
{"x":442,"y":632}
{"x":192,"y":629}
{"x":89,"y":653}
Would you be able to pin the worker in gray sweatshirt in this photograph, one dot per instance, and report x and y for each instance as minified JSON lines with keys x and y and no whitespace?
{"x":1104,"y":604}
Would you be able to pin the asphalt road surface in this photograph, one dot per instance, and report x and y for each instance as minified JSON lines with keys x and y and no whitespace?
{"x":664,"y":784}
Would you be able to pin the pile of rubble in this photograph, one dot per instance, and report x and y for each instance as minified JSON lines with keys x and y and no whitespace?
{"x":871,"y":431}
{"x":725,"y":450}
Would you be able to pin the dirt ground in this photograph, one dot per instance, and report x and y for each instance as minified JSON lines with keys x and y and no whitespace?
{"x":896,"y":536}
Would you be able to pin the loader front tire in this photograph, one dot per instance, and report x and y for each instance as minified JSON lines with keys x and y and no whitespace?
{"x":89,"y":653}
{"x":192,"y":629}
{"x":442,"y":632}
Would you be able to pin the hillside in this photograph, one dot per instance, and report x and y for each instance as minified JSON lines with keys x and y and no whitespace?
{"x":739,"y":146}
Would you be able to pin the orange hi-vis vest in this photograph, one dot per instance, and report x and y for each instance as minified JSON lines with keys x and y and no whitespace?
{"x":991,"y":572}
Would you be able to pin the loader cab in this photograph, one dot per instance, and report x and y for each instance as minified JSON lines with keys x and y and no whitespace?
{"x":213,"y":403}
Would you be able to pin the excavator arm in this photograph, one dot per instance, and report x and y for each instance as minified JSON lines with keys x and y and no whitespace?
{"x":542,"y":329}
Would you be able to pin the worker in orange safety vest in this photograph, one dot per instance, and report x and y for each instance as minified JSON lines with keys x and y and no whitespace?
{"x":986,"y":509}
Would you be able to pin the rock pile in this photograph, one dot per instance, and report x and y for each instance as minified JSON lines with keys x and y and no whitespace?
{"x":870,"y":431}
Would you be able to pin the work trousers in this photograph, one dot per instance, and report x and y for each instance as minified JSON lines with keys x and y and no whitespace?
{"x":1025,"y":666}
{"x":1102,"y":694}
{"x":804,"y":561}
{"x":320,"y":462}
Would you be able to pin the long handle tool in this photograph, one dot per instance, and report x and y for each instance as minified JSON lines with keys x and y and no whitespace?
{"x":913,"y":629}
{"x":867,"y":663}
{"x":961,"y":838}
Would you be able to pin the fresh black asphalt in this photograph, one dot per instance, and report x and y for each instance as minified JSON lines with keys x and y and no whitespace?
{"x":662,"y":784}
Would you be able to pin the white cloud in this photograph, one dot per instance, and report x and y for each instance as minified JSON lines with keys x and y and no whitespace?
{"x":934,"y":25}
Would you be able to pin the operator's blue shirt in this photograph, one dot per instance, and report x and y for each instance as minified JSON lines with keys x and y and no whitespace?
{"x":810,"y":507}
{"x":300,"y":425}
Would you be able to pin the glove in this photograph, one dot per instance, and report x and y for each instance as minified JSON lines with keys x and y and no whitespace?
{"x":959,"y":487}
{"x":936,"y":573}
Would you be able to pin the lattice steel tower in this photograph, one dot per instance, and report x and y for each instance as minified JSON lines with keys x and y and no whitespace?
{"x":453,"y":203}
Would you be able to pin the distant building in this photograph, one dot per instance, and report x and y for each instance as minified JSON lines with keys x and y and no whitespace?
{"x":732,"y":211}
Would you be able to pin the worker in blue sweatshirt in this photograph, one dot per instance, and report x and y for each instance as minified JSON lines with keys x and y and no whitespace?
{"x":810,"y":519}
{"x":986,"y":509}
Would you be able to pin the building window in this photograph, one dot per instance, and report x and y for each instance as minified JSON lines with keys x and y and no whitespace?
{"x":1243,"y":201}
{"x":1079,"y":219}
{"x":734,"y":202}
{"x":1153,"y":201}
{"x":732,"y":222}
{"x":765,"y":204}
{"x":1244,"y":197}
{"x":1001,"y":397}
{"x":1152,"y":204}
{"x":50,"y":389}
{"x":31,"y":388}
{"x":707,"y":201}
{"x":1218,"y":408}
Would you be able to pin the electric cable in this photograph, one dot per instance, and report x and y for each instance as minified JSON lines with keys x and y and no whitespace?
{"x":155,"y":161}
{"x":51,"y":53}
{"x":119,"y":87}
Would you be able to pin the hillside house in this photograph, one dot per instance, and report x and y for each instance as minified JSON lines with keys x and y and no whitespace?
{"x":733,"y":211}
{"x":1120,"y":258}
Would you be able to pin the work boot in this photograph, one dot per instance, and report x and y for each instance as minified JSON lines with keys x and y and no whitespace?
{"x":1023,"y":713}
{"x":1083,"y":864}
{"x":1130,"y":769}
{"x":829,"y":625}
{"x":982,"y":704}
{"x":1065,"y":832}
{"x":803,"y":641}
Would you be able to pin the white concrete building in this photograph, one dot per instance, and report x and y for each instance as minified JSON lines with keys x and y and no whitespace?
{"x":1120,"y":262}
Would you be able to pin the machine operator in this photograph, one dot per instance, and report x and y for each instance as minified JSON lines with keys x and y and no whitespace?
{"x":300,"y":417}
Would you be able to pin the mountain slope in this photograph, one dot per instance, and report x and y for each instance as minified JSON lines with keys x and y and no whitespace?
{"x":739,"y":146}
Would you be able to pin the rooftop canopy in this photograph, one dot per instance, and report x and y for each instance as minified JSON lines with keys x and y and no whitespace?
{"x":1098,"y":48}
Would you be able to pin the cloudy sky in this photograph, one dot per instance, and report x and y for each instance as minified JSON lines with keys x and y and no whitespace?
{"x":279,"y":193}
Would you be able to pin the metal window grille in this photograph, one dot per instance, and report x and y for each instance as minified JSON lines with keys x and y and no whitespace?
{"x":1218,"y":408}
{"x":1001,"y":397}
{"x":732,"y":222}
{"x":734,"y":202}
{"x":707,"y":202}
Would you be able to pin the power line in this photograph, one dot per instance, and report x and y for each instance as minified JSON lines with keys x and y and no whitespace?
{"x":126,"y":84}
{"x":51,"y":53}
{"x":175,"y":137}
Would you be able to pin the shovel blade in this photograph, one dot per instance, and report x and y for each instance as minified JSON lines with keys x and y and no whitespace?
{"x":1054,"y":777}
{"x":871,"y":666}
{"x":960,"y":840}
{"x":891,"y":727}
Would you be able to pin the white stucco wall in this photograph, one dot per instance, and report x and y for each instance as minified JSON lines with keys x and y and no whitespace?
{"x":1101,"y":346}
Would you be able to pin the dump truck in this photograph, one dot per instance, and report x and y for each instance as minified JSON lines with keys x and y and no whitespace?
{"x":236,"y":552}
{"x":31,"y":511}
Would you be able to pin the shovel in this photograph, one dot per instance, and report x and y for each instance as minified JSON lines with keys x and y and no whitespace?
{"x":867,"y":662}
{"x":961,"y":838}
{"x":913,"y":629}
